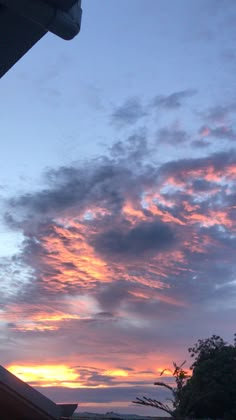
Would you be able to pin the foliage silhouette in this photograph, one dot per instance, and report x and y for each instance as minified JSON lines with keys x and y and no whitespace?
{"x":211,"y":389}
{"x":181,"y":378}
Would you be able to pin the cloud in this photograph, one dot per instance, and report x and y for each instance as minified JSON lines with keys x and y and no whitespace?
{"x":111,"y":296}
{"x":201,"y":185}
{"x":172,"y":136}
{"x":130,"y":112}
{"x":98,"y":396}
{"x":220,"y":132}
{"x":212,"y":167}
{"x":145,"y":238}
{"x":76,"y":187}
{"x":174,"y":100}
{"x":141,"y":225}
{"x":200,"y":144}
{"x":111,"y":248}
{"x":219,"y":114}
{"x":135,"y":149}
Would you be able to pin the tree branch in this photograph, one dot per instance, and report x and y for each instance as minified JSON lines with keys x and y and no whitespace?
{"x":165,"y":385}
{"x":153,"y":403}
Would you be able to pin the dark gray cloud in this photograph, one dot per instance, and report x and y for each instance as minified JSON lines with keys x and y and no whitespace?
{"x":112,"y":295}
{"x":201,"y":185}
{"x":73,"y":187}
{"x":145,"y":238}
{"x":132,"y":110}
{"x":135,"y":149}
{"x":129,"y":112}
{"x":174,"y":100}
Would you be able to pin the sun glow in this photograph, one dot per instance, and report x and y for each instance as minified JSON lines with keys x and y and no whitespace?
{"x":116,"y":372}
{"x":47,"y":375}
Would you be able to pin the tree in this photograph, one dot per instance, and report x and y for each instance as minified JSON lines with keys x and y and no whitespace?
{"x":211,"y":390}
{"x":181,"y":378}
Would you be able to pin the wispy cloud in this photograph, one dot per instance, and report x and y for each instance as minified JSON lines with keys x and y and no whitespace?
{"x":129,"y":112}
{"x":174,"y":100}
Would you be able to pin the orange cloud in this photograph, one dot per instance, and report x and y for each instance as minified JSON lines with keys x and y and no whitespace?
{"x":72,"y":257}
{"x":133,"y":214}
{"x":205,"y":132}
{"x":159,"y":297}
{"x":47,"y":375}
{"x":61,"y":375}
{"x":150,"y":203}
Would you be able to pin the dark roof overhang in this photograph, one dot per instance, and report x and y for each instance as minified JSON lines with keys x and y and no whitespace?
{"x":25,"y":22}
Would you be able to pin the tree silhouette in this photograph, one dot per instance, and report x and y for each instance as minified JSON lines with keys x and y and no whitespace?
{"x":181,"y":378}
{"x":211,"y":389}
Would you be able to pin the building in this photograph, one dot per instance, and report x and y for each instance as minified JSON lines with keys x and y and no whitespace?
{"x":25,"y":22}
{"x":19,"y":401}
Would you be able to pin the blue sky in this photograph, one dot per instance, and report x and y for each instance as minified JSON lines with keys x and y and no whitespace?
{"x":118,"y":195}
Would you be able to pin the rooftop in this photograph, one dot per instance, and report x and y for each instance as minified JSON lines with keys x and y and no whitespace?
{"x":20,"y":401}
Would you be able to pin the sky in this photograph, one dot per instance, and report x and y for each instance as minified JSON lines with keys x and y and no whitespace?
{"x":118,"y":199}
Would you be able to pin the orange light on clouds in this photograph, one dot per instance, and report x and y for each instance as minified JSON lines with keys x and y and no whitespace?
{"x":151,"y":203}
{"x":211,"y":219}
{"x":45,"y":322}
{"x":30,"y":318}
{"x":116,"y":372}
{"x":133,"y":214}
{"x":28,"y":326}
{"x":76,"y":260}
{"x":47,"y":375}
{"x":164,"y":371}
{"x":159,"y":297}
{"x":61,"y":376}
{"x":205,"y":132}
{"x":56,"y":317}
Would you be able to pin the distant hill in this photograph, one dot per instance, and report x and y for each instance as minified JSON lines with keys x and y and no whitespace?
{"x":114,"y":416}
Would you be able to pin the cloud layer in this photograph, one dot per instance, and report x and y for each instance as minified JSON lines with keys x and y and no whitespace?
{"x":123,"y":258}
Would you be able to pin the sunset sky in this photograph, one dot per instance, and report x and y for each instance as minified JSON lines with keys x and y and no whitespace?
{"x":118,"y":199}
